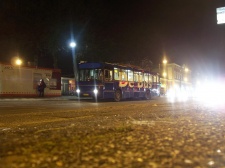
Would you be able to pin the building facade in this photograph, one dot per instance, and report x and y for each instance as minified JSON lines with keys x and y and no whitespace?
{"x":20,"y":81}
{"x":175,"y":77}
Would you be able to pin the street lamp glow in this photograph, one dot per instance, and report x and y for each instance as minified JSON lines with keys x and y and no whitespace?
{"x":164,"y":61}
{"x":18,"y":61}
{"x":186,"y":69}
{"x":73,"y":44}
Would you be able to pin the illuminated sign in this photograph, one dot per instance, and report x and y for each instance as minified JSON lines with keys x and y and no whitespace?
{"x":220,"y":15}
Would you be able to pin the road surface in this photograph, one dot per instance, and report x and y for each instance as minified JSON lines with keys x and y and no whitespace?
{"x":70,"y":133}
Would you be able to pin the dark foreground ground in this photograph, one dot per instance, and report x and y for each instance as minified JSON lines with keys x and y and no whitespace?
{"x":151,"y":134}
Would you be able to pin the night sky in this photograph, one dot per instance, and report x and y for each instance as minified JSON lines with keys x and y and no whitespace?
{"x":185,"y":31}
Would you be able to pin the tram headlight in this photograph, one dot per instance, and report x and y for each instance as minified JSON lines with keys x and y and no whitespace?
{"x":78,"y":91}
{"x":95,"y":91}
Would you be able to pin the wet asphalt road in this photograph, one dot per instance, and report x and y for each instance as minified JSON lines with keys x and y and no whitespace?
{"x":65,"y":132}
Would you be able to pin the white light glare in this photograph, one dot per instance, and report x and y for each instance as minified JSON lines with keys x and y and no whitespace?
{"x":73,"y":44}
{"x":78,"y":91}
{"x":212,"y":93}
{"x":180,"y":94}
{"x":95,"y":91}
{"x":18,"y":62}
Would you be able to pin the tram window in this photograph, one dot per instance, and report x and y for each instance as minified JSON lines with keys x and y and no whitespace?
{"x":108,"y":75}
{"x":90,"y":74}
{"x":135,"y":76}
{"x":97,"y":74}
{"x":130,"y":75}
{"x":111,"y":75}
{"x":146,"y":77}
{"x":116,"y":74}
{"x":123,"y":75}
{"x":81,"y":75}
{"x":140,"y":77}
{"x":120,"y":74}
{"x":150,"y":78}
{"x":154,"y":79}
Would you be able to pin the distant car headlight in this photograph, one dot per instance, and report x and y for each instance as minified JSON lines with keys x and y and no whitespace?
{"x":95,"y":91}
{"x":78,"y":91}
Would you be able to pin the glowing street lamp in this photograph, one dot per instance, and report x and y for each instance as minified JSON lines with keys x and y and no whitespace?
{"x":164,"y":74}
{"x":164,"y":61}
{"x":73,"y":44}
{"x":18,"y":62}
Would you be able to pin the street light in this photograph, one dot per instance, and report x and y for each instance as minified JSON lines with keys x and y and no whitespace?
{"x":73,"y":44}
{"x":165,"y":61}
{"x":18,"y":61}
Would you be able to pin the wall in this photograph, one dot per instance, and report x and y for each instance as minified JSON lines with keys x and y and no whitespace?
{"x":18,"y":81}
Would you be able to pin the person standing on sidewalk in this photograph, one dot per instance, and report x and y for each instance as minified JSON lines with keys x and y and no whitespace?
{"x":41,"y":88}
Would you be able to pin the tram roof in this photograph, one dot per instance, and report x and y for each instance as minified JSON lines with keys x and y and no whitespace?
{"x":93,"y":65}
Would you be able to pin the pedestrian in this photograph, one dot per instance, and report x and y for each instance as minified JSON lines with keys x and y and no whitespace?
{"x":41,"y":88}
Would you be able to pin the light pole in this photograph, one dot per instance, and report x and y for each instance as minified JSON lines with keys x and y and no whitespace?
{"x":73,"y":45}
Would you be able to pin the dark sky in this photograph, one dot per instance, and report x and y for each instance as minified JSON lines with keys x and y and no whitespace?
{"x":186,"y":31}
